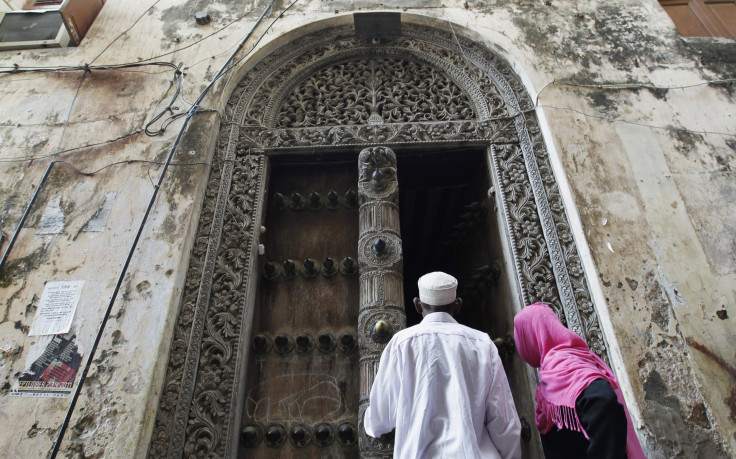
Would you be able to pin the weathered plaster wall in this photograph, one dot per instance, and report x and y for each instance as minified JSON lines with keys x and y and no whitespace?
{"x":650,"y":170}
{"x":94,"y":121}
{"x":10,"y":5}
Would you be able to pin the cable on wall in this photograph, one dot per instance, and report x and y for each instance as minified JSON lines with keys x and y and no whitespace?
{"x":125,"y":31}
{"x":191,"y":112}
{"x":170,"y":108}
{"x":45,"y":176}
{"x":85,"y":69}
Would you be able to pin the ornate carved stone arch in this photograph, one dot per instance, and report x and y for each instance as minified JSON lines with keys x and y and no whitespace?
{"x":329,"y":91}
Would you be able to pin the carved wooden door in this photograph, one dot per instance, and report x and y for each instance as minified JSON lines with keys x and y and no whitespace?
{"x":301,"y":396}
{"x":319,"y":327}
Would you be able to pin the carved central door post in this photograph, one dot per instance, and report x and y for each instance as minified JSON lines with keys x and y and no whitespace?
{"x":381,"y":282}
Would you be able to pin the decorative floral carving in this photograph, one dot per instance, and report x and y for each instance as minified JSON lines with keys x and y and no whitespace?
{"x":374,"y":91}
{"x":498,"y":131}
{"x":165,"y":436}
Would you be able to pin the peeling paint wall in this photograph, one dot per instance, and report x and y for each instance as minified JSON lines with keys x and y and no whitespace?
{"x":642,"y":126}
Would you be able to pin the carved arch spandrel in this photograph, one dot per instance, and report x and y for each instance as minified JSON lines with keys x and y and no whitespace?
{"x":198,"y":408}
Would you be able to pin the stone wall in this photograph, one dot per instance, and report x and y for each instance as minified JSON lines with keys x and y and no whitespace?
{"x":639,"y":122}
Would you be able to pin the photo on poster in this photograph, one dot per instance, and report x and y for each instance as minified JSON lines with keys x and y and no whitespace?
{"x":53,"y":373}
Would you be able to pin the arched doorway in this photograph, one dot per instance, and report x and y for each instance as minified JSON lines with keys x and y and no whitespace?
{"x":452,"y":111}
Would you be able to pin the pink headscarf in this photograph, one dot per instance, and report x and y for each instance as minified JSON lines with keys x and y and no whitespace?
{"x":567,"y":367}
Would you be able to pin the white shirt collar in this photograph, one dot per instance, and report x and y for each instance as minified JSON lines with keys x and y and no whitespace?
{"x":439,"y":317}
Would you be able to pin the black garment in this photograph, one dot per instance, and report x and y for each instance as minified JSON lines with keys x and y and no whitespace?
{"x":602,"y":417}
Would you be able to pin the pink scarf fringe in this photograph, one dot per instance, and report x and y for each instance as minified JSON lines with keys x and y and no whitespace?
{"x":564,"y":417}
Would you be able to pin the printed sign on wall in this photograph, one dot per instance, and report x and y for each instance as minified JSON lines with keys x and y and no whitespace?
{"x":53,"y":373}
{"x":56,"y":308}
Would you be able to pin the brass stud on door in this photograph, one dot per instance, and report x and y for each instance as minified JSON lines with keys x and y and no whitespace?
{"x":290,"y":269}
{"x":270,"y":270}
{"x":348,"y":267}
{"x":333,"y":200}
{"x":380,"y":248}
{"x":310,"y":268}
{"x":379,"y":180}
{"x":315,"y":201}
{"x":506,"y":347}
{"x":526,"y":430}
{"x":261,"y":344}
{"x":381,"y":332}
{"x":300,"y":435}
{"x":347,"y":342}
{"x":326,"y":342}
{"x":328,"y":267}
{"x":283,"y":344}
{"x":297,"y":201}
{"x":251,"y":435}
{"x":347,"y":433}
{"x":278,"y":201}
{"x":324,"y":435}
{"x":351,"y":199}
{"x":304,"y":343}
{"x":275,"y":436}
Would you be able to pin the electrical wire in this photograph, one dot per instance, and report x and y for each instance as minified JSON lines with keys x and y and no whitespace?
{"x":45,"y":176}
{"x":614,"y":86}
{"x":225,"y":51}
{"x":178,"y":79}
{"x":263,"y":34}
{"x":22,"y":159}
{"x":170,"y":108}
{"x":16,"y":69}
{"x":132,"y":161}
{"x":125,"y":31}
{"x":190,"y":113}
{"x":633,"y":85}
{"x":238,"y":19}
{"x":635,"y":123}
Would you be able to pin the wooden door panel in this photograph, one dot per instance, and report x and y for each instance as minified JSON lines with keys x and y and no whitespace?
{"x":302,"y":392}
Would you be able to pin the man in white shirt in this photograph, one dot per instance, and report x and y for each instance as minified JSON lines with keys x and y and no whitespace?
{"x":442,"y":387}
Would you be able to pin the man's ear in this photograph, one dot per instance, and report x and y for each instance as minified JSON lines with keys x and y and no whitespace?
{"x":457,"y":305}
{"x":418,"y":305}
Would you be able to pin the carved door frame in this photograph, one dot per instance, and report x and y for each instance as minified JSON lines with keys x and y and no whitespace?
{"x":200,"y":405}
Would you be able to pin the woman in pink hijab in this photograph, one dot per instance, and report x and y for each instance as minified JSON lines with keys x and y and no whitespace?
{"x":580,"y":411}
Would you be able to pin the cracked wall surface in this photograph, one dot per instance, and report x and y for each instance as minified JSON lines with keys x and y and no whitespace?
{"x":639,"y":121}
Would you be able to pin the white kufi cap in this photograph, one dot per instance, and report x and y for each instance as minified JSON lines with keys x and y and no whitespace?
{"x":437,"y":289}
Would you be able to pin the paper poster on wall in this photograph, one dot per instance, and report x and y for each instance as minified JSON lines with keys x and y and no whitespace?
{"x":53,"y":373}
{"x":56,"y":308}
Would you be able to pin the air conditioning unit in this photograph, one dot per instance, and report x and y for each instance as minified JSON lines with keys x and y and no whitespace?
{"x":48,"y":23}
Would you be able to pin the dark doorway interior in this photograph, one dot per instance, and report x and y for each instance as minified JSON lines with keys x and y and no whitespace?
{"x":447,"y":225}
{"x":450,"y":222}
